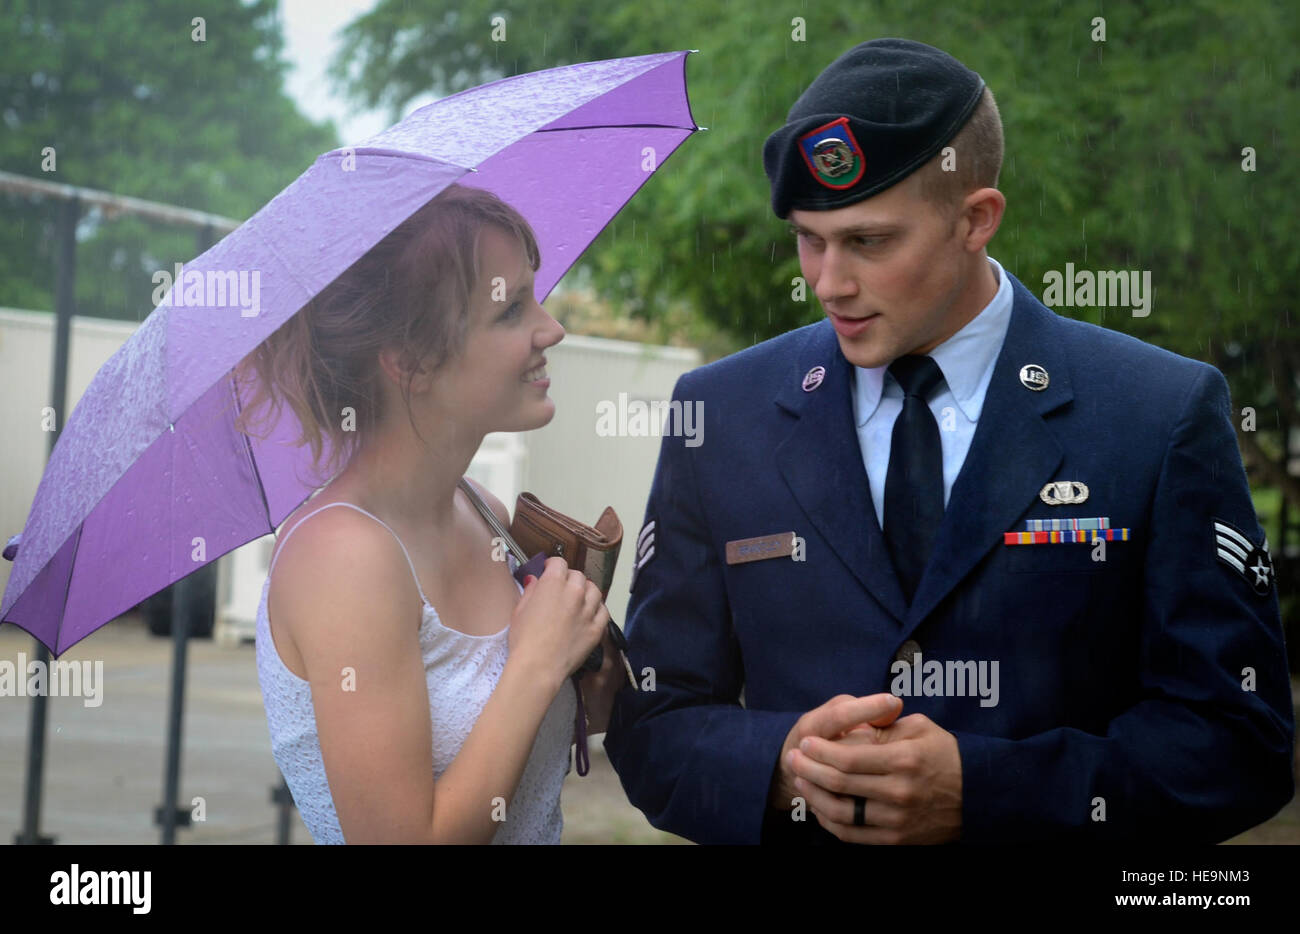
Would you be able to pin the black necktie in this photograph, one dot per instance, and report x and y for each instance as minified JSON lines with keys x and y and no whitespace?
{"x":914,"y":484}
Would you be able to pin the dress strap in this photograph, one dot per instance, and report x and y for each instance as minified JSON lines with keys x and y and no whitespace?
{"x":360,"y":510}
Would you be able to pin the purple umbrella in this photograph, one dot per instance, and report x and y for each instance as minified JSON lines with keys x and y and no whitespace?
{"x":150,"y":480}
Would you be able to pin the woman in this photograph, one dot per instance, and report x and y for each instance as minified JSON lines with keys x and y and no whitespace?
{"x":393,"y":721}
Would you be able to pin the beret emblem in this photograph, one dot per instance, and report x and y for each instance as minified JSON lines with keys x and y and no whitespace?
{"x":833,"y":155}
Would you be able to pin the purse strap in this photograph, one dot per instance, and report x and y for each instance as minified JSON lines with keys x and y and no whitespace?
{"x":491,"y":518}
{"x":581,"y":754}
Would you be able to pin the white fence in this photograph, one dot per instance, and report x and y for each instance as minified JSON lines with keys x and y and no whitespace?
{"x":567,"y":464}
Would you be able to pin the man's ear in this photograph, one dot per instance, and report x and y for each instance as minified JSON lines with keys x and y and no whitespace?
{"x":982,"y":210}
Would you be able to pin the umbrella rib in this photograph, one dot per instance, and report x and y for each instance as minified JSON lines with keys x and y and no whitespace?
{"x":248,"y":448}
{"x":618,"y":126}
{"x":67,"y":588}
{"x":371,"y":150}
{"x":398,"y":154}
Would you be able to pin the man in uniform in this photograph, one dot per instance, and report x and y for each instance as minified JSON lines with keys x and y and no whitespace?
{"x":950,"y":566}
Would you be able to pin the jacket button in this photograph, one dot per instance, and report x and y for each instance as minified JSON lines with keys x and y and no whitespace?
{"x":907,"y":651}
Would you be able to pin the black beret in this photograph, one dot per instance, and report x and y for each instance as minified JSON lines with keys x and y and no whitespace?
{"x":875,"y":115}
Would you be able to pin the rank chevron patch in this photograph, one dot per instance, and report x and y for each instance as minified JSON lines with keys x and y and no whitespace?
{"x":1237,"y":551}
{"x":645,"y":550}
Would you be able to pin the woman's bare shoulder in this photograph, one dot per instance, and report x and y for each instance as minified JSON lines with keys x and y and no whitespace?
{"x":338,"y":562}
{"x":330,"y":524}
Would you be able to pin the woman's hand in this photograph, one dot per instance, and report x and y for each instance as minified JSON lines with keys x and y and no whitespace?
{"x":557,"y":622}
{"x":599,"y":687}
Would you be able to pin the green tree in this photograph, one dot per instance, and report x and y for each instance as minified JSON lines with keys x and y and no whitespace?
{"x":1123,"y":152}
{"x":131,"y":103}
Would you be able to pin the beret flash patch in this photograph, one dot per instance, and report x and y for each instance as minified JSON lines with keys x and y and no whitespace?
{"x":833,"y":154}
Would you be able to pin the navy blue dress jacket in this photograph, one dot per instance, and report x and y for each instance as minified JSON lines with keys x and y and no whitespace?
{"x":1153,"y":682}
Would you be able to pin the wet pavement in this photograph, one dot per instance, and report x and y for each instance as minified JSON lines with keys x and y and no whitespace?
{"x":105,"y":764}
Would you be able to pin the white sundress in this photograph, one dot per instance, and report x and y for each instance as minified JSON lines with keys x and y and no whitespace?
{"x":461,"y":671}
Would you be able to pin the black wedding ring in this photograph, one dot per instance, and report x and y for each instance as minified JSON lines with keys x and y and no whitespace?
{"x":859,"y":811}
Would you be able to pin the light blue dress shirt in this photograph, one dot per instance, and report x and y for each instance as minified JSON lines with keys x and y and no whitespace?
{"x":966,"y":360}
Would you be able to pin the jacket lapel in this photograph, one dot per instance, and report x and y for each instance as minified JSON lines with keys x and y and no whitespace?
{"x":822,"y":464}
{"x":1012,"y":454}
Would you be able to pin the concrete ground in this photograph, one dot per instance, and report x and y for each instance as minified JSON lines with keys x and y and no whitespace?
{"x":104,"y":765}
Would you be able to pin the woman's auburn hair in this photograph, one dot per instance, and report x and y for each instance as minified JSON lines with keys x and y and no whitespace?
{"x":412,"y":291}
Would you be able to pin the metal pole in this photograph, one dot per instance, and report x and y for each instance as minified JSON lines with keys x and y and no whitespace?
{"x":111,"y":205}
{"x":169,"y":813}
{"x":184,"y":607}
{"x":73,"y":200}
{"x":282,"y":798}
{"x":65,"y":301}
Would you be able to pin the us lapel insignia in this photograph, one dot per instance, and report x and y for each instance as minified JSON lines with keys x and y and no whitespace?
{"x":1033,"y":376}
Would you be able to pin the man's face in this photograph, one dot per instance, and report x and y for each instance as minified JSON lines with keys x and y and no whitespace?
{"x":888,"y":271}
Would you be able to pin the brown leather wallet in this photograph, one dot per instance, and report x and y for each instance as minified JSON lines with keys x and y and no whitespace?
{"x":592,"y":550}
{"x":539,"y":530}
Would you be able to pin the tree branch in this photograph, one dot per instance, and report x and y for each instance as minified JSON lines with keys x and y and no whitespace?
{"x":1273,"y":472}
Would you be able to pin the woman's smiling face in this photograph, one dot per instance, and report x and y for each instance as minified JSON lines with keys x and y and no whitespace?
{"x":498,"y":382}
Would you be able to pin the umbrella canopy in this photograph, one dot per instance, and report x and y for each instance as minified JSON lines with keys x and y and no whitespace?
{"x":150,"y":479}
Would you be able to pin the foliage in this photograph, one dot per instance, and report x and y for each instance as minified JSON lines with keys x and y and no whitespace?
{"x":132,"y":104}
{"x":1122,"y":154}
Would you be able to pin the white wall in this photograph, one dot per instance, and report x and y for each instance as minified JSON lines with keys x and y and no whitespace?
{"x":578,"y":472}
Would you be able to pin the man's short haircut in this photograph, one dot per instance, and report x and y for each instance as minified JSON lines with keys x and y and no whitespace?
{"x":977,"y":156}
